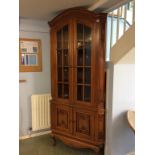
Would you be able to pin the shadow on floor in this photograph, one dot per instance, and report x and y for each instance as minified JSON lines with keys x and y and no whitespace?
{"x":42,"y":145}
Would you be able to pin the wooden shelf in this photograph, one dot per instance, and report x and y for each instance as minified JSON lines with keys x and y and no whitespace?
{"x":59,"y":82}
{"x":83,"y":84}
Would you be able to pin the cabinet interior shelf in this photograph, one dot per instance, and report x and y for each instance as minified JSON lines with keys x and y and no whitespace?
{"x":59,"y":82}
{"x":64,"y":49}
{"x":69,"y":66}
{"x":83,"y":84}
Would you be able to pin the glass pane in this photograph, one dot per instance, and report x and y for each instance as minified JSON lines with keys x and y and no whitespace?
{"x":87,"y":76}
{"x":88,"y":38}
{"x":59,"y":58}
{"x":84,"y":38}
{"x":66,"y":91}
{"x":59,"y":90}
{"x":80,"y":57}
{"x":80,"y":35}
{"x":87,"y":56}
{"x":79,"y":32}
{"x":59,"y":74}
{"x":65,"y":57}
{"x":65,"y":74}
{"x":87,"y":34}
{"x":79,"y":92}
{"x":87,"y":93}
{"x":79,"y":75}
{"x":59,"y":39}
{"x":63,"y":62}
{"x":65,"y":37}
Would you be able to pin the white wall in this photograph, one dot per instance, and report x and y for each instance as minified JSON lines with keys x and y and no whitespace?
{"x":123,"y":100}
{"x":120,"y":98}
{"x":36,"y":82}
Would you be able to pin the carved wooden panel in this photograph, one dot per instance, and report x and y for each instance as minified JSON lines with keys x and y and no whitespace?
{"x":84,"y":123}
{"x":63,"y":117}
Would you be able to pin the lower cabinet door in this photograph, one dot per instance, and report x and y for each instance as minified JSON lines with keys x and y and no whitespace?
{"x":62,"y":118}
{"x":84,"y":123}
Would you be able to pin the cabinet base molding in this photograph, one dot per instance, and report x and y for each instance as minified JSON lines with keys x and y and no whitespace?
{"x":75,"y":143}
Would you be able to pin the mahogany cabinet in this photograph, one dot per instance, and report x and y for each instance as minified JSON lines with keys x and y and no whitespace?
{"x":78,"y":78}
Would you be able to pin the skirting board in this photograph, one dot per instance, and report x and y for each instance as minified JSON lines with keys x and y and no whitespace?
{"x":34,"y":135}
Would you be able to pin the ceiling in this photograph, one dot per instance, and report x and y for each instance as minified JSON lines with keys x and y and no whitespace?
{"x":47,"y":9}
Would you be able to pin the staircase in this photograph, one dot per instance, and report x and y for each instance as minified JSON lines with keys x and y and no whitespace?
{"x":120,"y":77}
{"x":120,"y":31}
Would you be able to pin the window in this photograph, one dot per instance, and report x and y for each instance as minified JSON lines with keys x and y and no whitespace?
{"x":30,"y":58}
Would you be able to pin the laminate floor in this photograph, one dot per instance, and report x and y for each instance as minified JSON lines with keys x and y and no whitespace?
{"x":42,"y":146}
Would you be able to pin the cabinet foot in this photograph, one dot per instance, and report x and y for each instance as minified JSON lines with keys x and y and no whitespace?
{"x":53,"y":140}
{"x":97,"y":151}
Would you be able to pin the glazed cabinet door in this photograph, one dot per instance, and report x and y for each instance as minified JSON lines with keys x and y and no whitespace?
{"x":61,"y":62}
{"x":61,"y":118}
{"x":84,"y":124}
{"x":83,"y":62}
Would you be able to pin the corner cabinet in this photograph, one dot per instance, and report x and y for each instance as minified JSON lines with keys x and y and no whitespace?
{"x":78,"y":78}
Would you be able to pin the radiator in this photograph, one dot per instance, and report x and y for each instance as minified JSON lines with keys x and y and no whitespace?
{"x":40,"y":106}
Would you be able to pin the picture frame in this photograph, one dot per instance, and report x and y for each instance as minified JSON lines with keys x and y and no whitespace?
{"x":30,"y":55}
